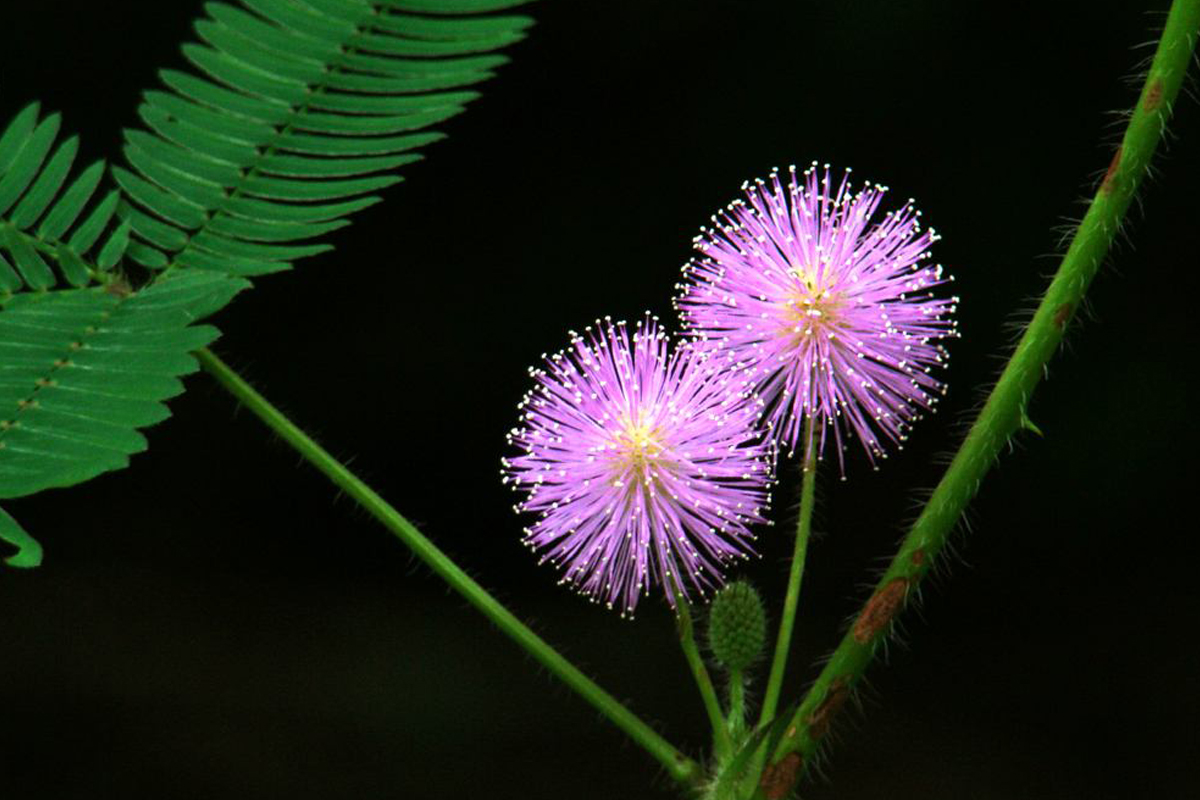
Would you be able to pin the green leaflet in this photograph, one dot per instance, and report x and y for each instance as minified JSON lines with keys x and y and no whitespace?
{"x":47,"y":231}
{"x":81,"y":370}
{"x":298,"y":112}
{"x":29,"y":552}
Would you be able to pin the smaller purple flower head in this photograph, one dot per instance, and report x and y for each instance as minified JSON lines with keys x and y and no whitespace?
{"x":644,"y":466}
{"x":827,"y":307}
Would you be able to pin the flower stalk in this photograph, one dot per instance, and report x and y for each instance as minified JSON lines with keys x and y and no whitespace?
{"x":791,"y":598}
{"x":1005,"y":411}
{"x":787,"y":619}
{"x":737,"y":705}
{"x":722,"y":744}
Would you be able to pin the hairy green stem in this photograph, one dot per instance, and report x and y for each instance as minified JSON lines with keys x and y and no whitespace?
{"x":680,"y":767}
{"x":687,"y":641}
{"x":1005,"y":410}
{"x":787,"y":619}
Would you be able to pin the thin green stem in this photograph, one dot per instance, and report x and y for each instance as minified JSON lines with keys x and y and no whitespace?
{"x":687,"y":641}
{"x":737,"y":703}
{"x":787,"y":619}
{"x":680,"y":767}
{"x":1005,"y":410}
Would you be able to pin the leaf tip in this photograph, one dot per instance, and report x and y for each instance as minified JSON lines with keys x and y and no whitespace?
{"x":29,"y":552}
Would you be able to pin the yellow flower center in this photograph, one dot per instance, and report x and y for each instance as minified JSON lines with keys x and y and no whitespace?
{"x":637,"y":448}
{"x":812,"y":309}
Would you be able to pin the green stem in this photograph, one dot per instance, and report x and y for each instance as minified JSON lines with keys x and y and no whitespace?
{"x":687,"y":641}
{"x":1005,"y":410}
{"x":737,"y":703}
{"x":680,"y":767}
{"x":783,"y":641}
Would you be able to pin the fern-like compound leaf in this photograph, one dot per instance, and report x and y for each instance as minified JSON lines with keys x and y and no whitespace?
{"x":300,"y":110}
{"x":48,"y":232}
{"x":81,"y":370}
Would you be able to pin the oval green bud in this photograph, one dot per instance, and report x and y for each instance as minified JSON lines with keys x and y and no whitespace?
{"x":737,"y":625}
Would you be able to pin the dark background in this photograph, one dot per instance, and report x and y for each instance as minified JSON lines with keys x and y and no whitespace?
{"x":215,"y":622}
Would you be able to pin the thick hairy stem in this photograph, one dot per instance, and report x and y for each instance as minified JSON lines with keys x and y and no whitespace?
{"x":1005,"y":410}
{"x":678,"y":765}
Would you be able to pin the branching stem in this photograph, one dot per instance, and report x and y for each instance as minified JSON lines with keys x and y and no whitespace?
{"x":679,"y":766}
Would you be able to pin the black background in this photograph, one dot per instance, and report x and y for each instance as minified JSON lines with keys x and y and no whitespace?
{"x":215,"y":622}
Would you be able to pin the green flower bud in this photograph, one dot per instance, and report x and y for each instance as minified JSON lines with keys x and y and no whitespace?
{"x":737,"y":626}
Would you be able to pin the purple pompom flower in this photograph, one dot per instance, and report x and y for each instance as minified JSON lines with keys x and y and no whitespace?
{"x":827,"y":309}
{"x":645,"y":466}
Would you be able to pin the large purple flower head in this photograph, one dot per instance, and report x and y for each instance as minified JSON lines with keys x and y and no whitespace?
{"x":644,"y":465}
{"x":828,"y":308}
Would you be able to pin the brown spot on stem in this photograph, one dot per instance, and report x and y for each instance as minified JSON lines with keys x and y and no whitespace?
{"x":777,"y":779}
{"x":918,"y":557}
{"x":60,"y":363}
{"x":42,"y":383}
{"x":24,"y":404}
{"x":835,"y":697}
{"x":119,"y":288}
{"x":1153,"y":96}
{"x":879,"y":610}
{"x":76,"y":345}
{"x":1062,"y":314}
{"x":1110,"y":176}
